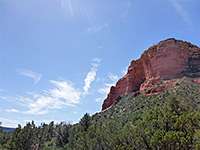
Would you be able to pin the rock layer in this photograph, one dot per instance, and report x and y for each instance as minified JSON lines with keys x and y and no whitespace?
{"x":166,"y":60}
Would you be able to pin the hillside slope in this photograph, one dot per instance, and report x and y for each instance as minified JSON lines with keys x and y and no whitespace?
{"x":185,"y":88}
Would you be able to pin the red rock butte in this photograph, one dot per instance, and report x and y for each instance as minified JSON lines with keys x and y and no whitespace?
{"x":166,"y":60}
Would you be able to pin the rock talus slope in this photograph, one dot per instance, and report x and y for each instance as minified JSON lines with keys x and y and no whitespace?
{"x":166,"y":60}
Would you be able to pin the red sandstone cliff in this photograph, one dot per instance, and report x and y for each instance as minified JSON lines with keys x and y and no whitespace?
{"x":166,"y":60}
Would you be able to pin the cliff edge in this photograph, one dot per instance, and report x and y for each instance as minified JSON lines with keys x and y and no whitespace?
{"x":166,"y":60}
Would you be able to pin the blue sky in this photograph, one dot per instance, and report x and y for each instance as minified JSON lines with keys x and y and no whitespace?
{"x":58,"y":58}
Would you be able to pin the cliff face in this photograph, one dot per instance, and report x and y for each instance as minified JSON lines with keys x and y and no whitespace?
{"x":163,"y":61}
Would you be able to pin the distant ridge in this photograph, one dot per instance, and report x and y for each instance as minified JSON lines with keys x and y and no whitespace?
{"x":7,"y":129}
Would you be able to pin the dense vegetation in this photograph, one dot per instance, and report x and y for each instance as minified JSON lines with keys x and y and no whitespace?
{"x":129,"y":106}
{"x":169,"y":120}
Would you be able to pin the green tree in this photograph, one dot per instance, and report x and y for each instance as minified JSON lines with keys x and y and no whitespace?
{"x":15,"y":138}
{"x":1,"y":129}
{"x":85,"y":122}
{"x":41,"y":136}
{"x":24,"y":139}
{"x":172,"y":127}
{"x":62,"y":131}
{"x":77,"y":137}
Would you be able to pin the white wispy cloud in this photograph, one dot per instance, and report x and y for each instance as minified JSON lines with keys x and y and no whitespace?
{"x":105,"y":89}
{"x":180,"y":9}
{"x":64,"y":94}
{"x":35,"y":95}
{"x":100,"y":99}
{"x":96,"y":28}
{"x":124,"y":71}
{"x":9,"y":122}
{"x":98,"y":60}
{"x":99,"y":47}
{"x":65,"y":90}
{"x":12,"y":110}
{"x":91,"y":74}
{"x":89,"y":79}
{"x":113,"y":77}
{"x":74,"y":112}
{"x":88,"y":13}
{"x":23,"y":101}
{"x":67,"y":6}
{"x":27,"y":73}
{"x":100,"y":79}
{"x":71,"y":10}
{"x":2,"y":90}
{"x":36,"y":111}
{"x":127,"y":7}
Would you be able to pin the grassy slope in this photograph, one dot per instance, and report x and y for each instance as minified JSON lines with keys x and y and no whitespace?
{"x":128,"y":107}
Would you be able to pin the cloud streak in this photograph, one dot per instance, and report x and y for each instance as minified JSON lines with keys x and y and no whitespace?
{"x":64,"y":94}
{"x":99,"y":99}
{"x":61,"y":95}
{"x":2,"y":90}
{"x":179,"y":8}
{"x":124,"y":71}
{"x":127,"y":7}
{"x":106,"y":89}
{"x":9,"y":122}
{"x":97,"y":60}
{"x":65,"y":90}
{"x":12,"y":110}
{"x":30,"y":74}
{"x":91,"y":74}
{"x":95,"y":28}
{"x":67,"y":7}
{"x":113,"y":77}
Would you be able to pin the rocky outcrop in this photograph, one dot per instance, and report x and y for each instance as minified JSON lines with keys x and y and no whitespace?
{"x":166,"y":60}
